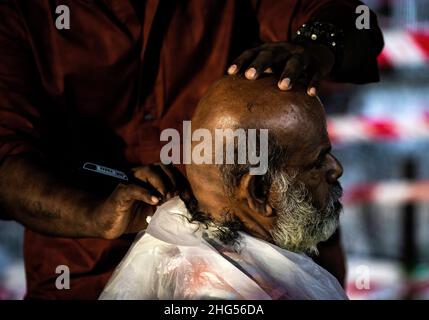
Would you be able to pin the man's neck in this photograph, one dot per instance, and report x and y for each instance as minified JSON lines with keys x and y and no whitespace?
{"x":221,"y":222}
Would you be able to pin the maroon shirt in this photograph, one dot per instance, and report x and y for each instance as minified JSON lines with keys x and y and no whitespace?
{"x":106,"y":88}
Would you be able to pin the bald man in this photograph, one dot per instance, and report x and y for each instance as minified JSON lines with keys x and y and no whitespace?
{"x":239,"y":235}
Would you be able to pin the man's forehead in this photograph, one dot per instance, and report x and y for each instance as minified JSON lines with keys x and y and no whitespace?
{"x":296,"y":119}
{"x":302,"y":136}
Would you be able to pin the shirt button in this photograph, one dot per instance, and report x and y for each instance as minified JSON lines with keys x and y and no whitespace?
{"x":149,"y":116}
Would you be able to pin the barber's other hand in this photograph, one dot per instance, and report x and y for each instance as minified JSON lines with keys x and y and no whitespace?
{"x":312,"y":62}
{"x":126,"y":209}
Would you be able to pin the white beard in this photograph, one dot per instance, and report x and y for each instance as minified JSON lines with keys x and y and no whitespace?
{"x":299,"y":226}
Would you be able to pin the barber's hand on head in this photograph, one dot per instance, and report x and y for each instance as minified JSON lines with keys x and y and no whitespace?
{"x":126,"y":209}
{"x":311,"y":63}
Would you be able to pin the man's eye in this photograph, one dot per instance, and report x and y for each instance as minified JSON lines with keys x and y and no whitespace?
{"x":319,"y":163}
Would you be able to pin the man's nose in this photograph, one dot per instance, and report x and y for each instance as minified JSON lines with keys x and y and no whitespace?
{"x":335,"y":169}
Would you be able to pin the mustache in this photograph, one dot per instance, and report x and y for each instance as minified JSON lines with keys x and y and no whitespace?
{"x":336,"y":191}
{"x":335,"y":195}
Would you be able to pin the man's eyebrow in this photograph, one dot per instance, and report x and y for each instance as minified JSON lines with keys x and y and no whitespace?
{"x":323,"y":151}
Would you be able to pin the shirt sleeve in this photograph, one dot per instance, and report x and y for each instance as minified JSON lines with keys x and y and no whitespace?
{"x":279,"y":21}
{"x":19,"y":87}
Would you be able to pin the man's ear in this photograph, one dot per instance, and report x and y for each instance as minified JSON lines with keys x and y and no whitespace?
{"x":252,"y":190}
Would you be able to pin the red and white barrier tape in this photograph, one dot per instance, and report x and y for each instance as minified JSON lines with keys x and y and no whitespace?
{"x":347,"y":129}
{"x":404,"y":48}
{"x":392,"y":193}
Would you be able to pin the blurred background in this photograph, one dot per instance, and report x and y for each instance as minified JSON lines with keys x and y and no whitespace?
{"x":380,"y":132}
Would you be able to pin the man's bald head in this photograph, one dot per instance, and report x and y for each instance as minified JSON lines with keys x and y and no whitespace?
{"x":293,"y":118}
{"x":298,"y":154}
{"x":236,"y":102}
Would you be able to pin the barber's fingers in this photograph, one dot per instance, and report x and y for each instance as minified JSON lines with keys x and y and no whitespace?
{"x":125,"y":196}
{"x":138,"y":218}
{"x":179,"y":181}
{"x":114,"y":214}
{"x":171,"y":174}
{"x":243,"y":61}
{"x":156,"y":178}
{"x":314,"y":84}
{"x":294,"y":67}
{"x":262,"y":62}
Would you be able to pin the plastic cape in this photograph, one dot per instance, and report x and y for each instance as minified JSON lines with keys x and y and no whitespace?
{"x":175,"y":259}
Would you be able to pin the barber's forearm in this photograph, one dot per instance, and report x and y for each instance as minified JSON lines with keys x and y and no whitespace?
{"x":33,"y":196}
{"x":358,"y":50}
{"x":358,"y":62}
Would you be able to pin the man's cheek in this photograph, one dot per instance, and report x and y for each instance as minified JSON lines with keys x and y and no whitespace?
{"x":312,"y":178}
{"x":320,"y":196}
{"x":317,"y":188}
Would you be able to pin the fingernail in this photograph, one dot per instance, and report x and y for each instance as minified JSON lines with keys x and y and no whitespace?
{"x":269,"y":70}
{"x":312,"y":92}
{"x":284,"y":84}
{"x":232,"y":69}
{"x":268,"y":209}
{"x":251,"y":73}
{"x":154,"y":199}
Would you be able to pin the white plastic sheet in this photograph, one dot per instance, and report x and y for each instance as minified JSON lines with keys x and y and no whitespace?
{"x":175,"y":260}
